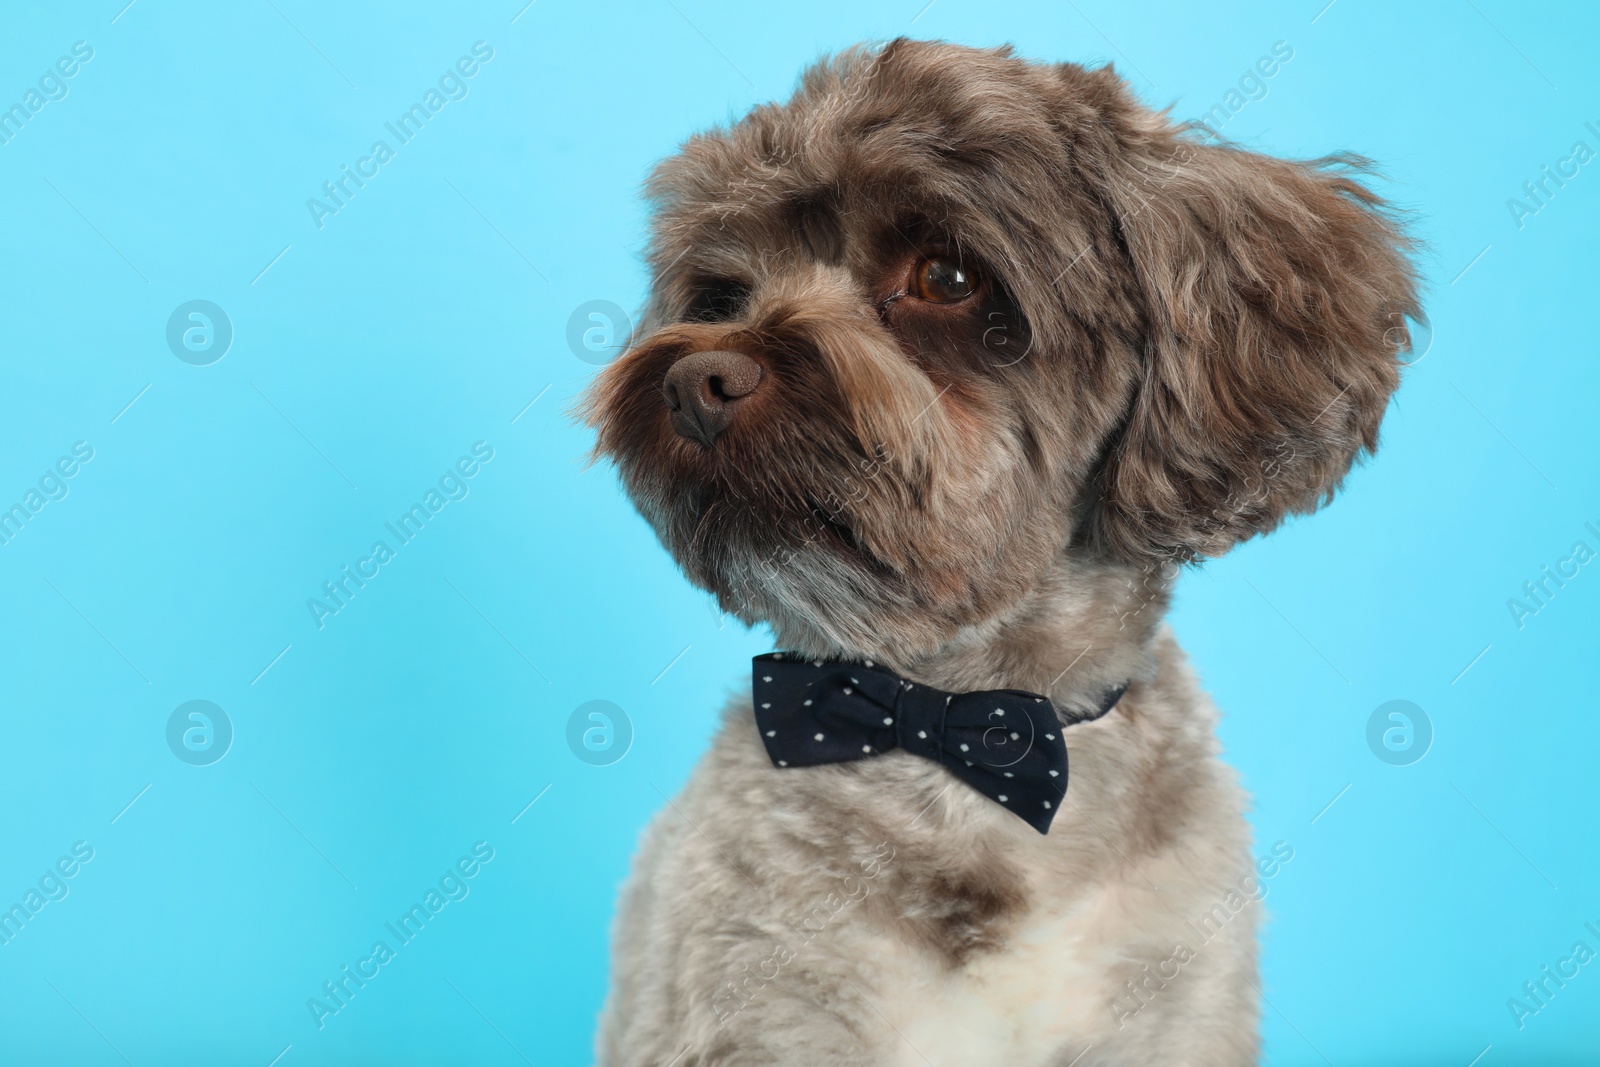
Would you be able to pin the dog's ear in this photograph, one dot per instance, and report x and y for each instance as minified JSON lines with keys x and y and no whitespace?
{"x":1275,"y":296}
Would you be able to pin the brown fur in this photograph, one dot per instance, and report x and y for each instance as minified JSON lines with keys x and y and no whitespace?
{"x":1178,"y":343}
{"x":1183,"y":343}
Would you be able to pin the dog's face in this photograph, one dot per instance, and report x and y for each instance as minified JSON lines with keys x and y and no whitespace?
{"x":946,"y":317}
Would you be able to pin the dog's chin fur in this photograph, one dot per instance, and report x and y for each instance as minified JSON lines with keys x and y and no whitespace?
{"x":857,"y":504}
{"x":1171,"y":345}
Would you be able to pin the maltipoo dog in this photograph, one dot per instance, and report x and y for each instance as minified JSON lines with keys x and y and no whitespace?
{"x":949,"y":364}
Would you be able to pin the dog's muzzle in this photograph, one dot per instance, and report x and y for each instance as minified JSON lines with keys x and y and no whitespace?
{"x":703,"y":389}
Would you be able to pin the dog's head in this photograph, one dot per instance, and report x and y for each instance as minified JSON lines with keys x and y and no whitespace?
{"x":947,"y":317}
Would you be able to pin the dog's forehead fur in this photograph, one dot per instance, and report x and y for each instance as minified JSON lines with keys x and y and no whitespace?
{"x":976,"y":143}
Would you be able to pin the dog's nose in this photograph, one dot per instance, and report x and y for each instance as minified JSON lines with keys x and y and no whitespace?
{"x":703,"y":389}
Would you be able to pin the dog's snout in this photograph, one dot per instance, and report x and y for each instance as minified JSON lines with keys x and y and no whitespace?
{"x":703,"y":389}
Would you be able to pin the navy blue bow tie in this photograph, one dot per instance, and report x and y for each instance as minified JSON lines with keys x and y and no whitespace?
{"x":1005,"y":743}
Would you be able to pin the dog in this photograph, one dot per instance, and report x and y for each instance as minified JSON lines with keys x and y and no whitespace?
{"x":950,"y":364}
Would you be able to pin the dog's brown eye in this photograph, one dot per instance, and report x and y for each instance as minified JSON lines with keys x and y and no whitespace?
{"x":942,"y":280}
{"x":718,"y":301}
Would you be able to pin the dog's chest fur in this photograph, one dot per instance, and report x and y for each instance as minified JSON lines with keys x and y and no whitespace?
{"x":881,"y":912}
{"x":967,"y":1015}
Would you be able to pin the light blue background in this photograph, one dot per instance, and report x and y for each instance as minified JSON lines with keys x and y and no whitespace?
{"x":425,"y":716}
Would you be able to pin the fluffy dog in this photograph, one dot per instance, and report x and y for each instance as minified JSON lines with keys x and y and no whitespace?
{"x":949,"y":363}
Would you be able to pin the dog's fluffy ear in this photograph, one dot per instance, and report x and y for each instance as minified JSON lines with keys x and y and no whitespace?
{"x":1275,"y":294}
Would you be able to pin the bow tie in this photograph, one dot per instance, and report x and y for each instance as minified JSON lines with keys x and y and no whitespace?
{"x":1005,"y":743}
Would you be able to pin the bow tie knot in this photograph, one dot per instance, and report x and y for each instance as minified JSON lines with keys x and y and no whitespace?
{"x":1005,"y":743}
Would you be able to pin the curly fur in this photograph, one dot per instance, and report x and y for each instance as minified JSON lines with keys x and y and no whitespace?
{"x":1177,"y":343}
